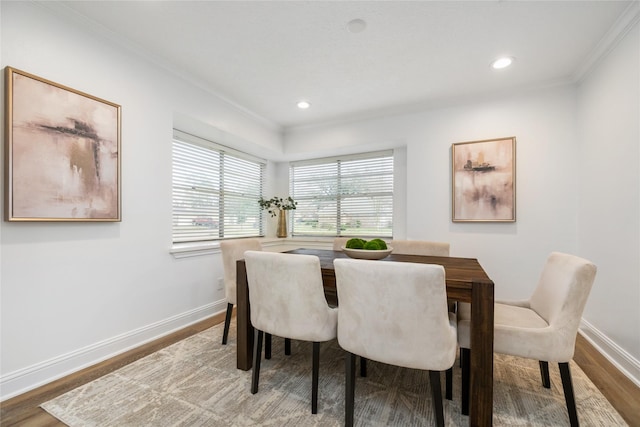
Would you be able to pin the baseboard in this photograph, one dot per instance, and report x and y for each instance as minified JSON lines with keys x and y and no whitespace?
{"x":31,"y":377}
{"x":622,"y":360}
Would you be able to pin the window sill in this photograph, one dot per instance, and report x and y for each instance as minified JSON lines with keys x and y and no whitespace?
{"x":185,"y":250}
{"x":273,"y":244}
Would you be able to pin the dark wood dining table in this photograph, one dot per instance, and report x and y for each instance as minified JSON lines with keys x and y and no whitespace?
{"x":466,"y":281}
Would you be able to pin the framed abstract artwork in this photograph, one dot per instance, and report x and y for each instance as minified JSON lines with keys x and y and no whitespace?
{"x":484,"y":180}
{"x":62,"y":152}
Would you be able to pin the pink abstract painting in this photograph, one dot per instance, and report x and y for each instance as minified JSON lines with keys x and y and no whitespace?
{"x":484,"y":181}
{"x":63,"y":153}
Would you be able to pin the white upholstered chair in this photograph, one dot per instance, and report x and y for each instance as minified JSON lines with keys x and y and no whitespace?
{"x":339,"y":242}
{"x":425,"y":248}
{"x":286,"y":297}
{"x":395,"y":313}
{"x":232,"y":251}
{"x":543,"y":328}
{"x":420,"y":247}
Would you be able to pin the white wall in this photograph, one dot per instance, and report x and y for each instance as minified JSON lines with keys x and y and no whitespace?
{"x":609,"y":198}
{"x":578,"y":187}
{"x":73,"y":293}
{"x":544,"y":126}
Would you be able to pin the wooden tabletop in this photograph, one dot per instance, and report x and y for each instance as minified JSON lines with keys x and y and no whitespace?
{"x":460,"y":273}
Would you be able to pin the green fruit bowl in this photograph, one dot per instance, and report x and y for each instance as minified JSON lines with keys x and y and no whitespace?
{"x":367,"y":254}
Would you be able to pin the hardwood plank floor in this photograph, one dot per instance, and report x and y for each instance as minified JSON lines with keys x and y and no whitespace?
{"x":24,"y":410}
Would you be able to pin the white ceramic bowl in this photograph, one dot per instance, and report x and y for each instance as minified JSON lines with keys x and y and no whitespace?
{"x":365,"y":254}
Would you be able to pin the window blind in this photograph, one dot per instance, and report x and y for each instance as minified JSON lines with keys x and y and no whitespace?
{"x":215,"y":191}
{"x":343,"y":196}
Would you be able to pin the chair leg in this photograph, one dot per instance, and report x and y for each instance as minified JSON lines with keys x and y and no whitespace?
{"x":436,"y":391}
{"x":287,"y":346}
{"x":465,"y":361}
{"x":314,"y":377}
{"x":544,"y":373}
{"x":448,"y":388}
{"x":363,"y":366}
{"x":227,"y":321}
{"x":350,"y":388}
{"x":257,"y":355}
{"x":565,"y":374}
{"x":267,"y":346}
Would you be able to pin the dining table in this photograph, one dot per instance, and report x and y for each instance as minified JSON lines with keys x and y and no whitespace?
{"x":466,"y":281}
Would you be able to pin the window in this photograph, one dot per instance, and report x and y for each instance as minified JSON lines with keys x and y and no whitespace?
{"x":215,"y":191}
{"x":343,"y":196}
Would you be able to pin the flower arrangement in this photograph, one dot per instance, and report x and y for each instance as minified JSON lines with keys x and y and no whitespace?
{"x":276,"y":204}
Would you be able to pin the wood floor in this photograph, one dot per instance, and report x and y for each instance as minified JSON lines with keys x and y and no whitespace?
{"x":24,"y":410}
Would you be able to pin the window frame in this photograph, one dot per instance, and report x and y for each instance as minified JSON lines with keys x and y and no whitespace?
{"x":220,"y":192}
{"x":340,"y":197}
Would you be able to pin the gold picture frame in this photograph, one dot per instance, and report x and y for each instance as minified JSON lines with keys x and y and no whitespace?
{"x":62,"y":152}
{"x":484,"y":180}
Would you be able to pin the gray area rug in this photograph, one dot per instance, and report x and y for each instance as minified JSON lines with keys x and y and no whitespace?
{"x":195,"y":383}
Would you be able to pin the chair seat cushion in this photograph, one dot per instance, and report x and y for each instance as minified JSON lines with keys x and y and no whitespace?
{"x":518,"y":331}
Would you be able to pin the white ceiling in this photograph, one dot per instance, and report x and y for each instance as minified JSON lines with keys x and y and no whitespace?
{"x":265,"y":56}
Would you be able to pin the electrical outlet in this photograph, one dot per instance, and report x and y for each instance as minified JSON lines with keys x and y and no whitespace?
{"x":220,"y":283}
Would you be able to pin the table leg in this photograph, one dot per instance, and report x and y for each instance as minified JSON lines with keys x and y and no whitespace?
{"x":244,"y":328}
{"x":482,"y":300}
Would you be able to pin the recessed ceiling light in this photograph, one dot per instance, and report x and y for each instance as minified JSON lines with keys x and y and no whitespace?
{"x":356,"y":25}
{"x":303,"y":105}
{"x":503,"y":62}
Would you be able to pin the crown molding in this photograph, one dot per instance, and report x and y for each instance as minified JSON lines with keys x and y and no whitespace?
{"x":625,"y":22}
{"x":65,"y":12}
{"x":428,"y":105}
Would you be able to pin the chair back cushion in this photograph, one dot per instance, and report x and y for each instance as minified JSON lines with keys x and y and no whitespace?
{"x":232,"y":251}
{"x":419,"y":247}
{"x":286,"y":295}
{"x":395,"y":312}
{"x":562,"y":292}
{"x":339,"y":242}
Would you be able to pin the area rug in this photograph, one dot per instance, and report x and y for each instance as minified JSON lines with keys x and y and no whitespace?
{"x":195,"y":383}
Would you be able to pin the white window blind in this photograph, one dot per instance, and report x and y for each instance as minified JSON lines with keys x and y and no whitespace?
{"x":343,"y":196}
{"x":215,"y":191}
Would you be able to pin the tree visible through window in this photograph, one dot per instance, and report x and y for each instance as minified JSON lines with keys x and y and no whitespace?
{"x":215,"y":191}
{"x":343,"y":196}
